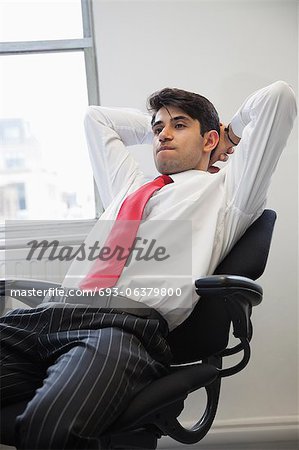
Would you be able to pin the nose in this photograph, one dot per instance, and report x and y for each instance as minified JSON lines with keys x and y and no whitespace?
{"x":165,"y":134}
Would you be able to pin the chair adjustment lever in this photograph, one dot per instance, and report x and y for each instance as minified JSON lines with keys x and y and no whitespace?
{"x":240,"y":313}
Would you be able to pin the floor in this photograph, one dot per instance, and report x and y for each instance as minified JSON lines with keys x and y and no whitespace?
{"x":291,"y":445}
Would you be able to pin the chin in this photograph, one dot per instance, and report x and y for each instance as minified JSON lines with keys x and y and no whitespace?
{"x":168,"y":169}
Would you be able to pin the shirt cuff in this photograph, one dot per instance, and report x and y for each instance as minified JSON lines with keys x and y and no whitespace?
{"x":237,"y":125}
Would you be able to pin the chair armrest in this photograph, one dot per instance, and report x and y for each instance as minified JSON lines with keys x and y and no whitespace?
{"x":229,"y":285}
{"x":240,"y":294}
{"x":28,"y":291}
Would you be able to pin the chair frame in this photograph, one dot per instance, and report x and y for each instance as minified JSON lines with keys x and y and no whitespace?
{"x":236,"y":295}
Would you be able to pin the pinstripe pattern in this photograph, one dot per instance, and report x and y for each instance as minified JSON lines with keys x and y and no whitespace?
{"x":78,"y":368}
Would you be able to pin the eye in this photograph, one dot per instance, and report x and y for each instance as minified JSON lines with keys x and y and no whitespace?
{"x":157,"y":130}
{"x":179,"y":125}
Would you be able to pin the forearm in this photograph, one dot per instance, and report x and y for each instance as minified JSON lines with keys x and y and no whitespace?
{"x":132,"y":127}
{"x":276,"y":96}
{"x":263,"y":123}
{"x":232,"y":137}
{"x":108,"y":132}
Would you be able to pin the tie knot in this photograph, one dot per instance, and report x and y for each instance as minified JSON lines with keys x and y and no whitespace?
{"x":167,"y":179}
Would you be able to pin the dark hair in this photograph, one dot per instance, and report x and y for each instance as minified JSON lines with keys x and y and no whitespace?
{"x":195,"y":105}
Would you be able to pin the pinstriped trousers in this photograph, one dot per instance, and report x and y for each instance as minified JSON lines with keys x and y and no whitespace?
{"x":78,"y":368}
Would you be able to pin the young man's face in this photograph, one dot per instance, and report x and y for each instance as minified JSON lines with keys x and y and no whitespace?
{"x":178,"y":144}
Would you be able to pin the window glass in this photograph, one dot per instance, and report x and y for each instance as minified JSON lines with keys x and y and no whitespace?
{"x":44,"y":164}
{"x":31,"y":20}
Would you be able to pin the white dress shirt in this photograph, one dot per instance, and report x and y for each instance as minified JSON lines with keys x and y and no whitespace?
{"x":207,"y":212}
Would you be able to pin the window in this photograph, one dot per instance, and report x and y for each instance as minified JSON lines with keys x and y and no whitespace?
{"x":47,"y":79}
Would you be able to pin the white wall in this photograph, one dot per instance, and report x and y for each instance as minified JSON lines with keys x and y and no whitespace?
{"x":224,"y":50}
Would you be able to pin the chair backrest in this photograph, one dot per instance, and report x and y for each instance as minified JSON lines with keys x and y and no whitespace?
{"x":206,"y":330}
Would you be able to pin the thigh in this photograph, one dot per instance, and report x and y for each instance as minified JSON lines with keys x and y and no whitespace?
{"x":86,"y":389}
{"x":19,"y":380}
{"x":21,"y":371}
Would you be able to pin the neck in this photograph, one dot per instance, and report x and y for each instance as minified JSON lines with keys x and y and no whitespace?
{"x":204,"y":162}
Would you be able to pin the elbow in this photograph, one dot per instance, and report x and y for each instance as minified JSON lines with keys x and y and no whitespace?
{"x":95,"y":114}
{"x":89,"y":113}
{"x":283,"y":88}
{"x":88,"y":118}
{"x":284,"y":93}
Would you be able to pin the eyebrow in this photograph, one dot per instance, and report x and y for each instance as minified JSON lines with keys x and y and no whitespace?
{"x":173,"y":119}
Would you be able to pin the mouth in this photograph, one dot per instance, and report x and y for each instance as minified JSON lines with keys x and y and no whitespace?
{"x":164,"y":147}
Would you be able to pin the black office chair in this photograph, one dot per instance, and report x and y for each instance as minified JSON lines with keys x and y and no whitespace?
{"x":198,"y":346}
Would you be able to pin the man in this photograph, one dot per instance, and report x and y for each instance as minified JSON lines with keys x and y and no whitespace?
{"x":76,"y":365}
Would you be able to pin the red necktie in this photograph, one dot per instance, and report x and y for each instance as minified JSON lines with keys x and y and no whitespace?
{"x":105,"y":274}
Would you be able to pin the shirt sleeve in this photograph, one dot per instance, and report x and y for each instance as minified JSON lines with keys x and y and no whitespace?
{"x":108,"y":132}
{"x":263,"y":123}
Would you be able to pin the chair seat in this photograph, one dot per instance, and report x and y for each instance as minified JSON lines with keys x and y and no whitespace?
{"x":170,"y":389}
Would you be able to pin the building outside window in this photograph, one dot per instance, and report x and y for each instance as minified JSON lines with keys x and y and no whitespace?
{"x":47,"y":79}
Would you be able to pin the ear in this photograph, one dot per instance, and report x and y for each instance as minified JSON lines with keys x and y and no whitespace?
{"x":211,"y":139}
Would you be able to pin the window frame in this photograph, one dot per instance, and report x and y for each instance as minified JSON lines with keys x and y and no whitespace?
{"x":87,"y":45}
